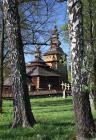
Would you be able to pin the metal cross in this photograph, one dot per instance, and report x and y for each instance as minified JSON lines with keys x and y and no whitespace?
{"x":49,"y":86}
{"x":68,"y":86}
{"x":29,"y":87}
{"x":65,"y":86}
{"x":62,"y":84}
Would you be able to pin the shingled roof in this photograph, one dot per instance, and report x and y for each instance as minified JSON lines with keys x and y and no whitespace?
{"x":38,"y":67}
{"x":42,"y":71}
{"x":57,"y":50}
{"x":37,"y":62}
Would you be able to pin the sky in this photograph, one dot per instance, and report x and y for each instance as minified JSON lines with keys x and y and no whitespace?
{"x":60,"y":18}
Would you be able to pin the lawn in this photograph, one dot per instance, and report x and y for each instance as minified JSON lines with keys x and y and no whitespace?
{"x":54,"y":116}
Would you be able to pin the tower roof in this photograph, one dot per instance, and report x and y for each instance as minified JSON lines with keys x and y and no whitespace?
{"x":38,"y":61}
{"x":55,"y":44}
{"x":55,"y":31}
{"x":57,"y":50}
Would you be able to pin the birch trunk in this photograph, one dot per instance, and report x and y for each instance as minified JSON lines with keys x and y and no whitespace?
{"x":84,"y":119}
{"x":1,"y":64}
{"x":22,"y":109}
{"x":93,"y":54}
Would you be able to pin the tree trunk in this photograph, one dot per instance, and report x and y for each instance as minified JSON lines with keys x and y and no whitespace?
{"x":93,"y":56}
{"x":84,"y":119}
{"x":22,"y":109}
{"x":94,"y":67}
{"x":1,"y":64}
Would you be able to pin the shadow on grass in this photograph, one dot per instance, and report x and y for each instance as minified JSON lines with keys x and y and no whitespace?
{"x":56,"y":123}
{"x":8,"y":133}
{"x":40,"y":131}
{"x":53,"y":103}
{"x":4,"y":127}
{"x":54,"y":111}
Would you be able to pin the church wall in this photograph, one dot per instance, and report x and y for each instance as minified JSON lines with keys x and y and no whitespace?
{"x":34,"y":81}
{"x":44,"y":81}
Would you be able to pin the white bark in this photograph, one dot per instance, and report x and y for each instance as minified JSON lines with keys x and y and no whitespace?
{"x":76,"y":37}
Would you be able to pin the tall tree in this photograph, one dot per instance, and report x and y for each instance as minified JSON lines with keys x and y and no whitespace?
{"x":1,"y":63}
{"x":92,"y":44}
{"x":22,"y":109}
{"x":89,"y":7}
{"x":84,"y":119}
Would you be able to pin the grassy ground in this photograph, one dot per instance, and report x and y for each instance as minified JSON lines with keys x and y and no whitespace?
{"x":54,"y":116}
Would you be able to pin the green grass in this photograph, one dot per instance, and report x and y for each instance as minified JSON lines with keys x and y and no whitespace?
{"x":54,"y":116}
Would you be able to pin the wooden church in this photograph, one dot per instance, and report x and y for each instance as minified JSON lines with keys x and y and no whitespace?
{"x":47,"y":72}
{"x":50,"y":71}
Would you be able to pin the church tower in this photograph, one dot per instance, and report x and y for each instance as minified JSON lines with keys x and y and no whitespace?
{"x":55,"y":57}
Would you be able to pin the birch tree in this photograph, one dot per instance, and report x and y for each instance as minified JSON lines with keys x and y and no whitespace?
{"x":22,"y":109}
{"x":92,"y":49}
{"x":83,"y":116}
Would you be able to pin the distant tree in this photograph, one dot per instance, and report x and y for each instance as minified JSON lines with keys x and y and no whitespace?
{"x":65,"y":32}
{"x":90,"y":45}
{"x":84,"y":119}
{"x":65,"y":35}
{"x":22,"y":109}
